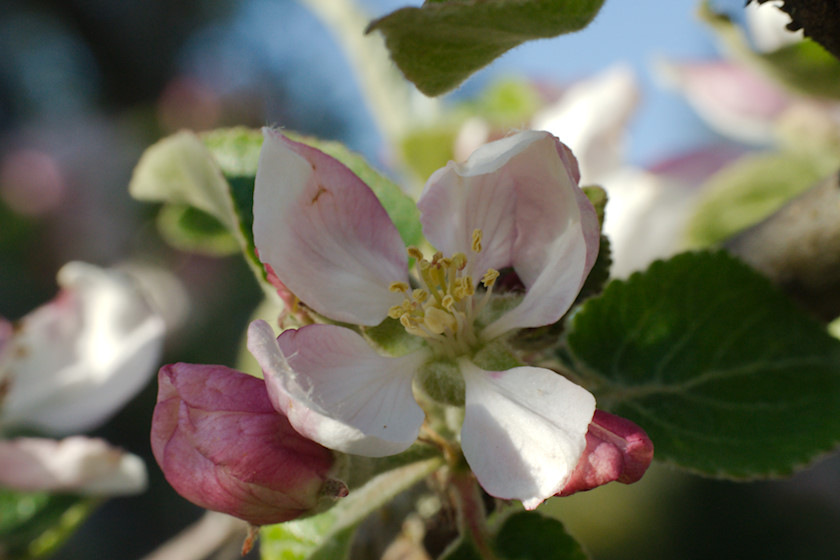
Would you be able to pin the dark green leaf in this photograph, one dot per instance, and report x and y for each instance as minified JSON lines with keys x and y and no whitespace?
{"x":529,"y":535}
{"x":725,"y":374}
{"x":438,"y":45}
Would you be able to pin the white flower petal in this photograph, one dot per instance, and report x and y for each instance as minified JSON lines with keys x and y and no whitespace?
{"x":76,"y":464}
{"x":524,"y":430}
{"x":325,"y":234}
{"x":78,"y":359}
{"x":522,"y":193}
{"x":336,"y":390}
{"x":591,"y":117}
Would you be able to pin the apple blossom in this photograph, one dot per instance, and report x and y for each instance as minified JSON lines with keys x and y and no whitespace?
{"x":65,"y":368}
{"x":515,"y":203}
{"x":73,"y":362}
{"x":75,"y":464}
{"x":221,"y":445}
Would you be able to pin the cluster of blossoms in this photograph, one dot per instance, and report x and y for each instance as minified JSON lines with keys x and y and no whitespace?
{"x":65,"y":368}
{"x":511,"y":215}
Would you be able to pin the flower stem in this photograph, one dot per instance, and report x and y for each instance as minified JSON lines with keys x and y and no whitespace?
{"x":472,"y":518}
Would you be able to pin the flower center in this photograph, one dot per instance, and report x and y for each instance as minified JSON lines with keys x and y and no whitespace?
{"x":443,"y":307}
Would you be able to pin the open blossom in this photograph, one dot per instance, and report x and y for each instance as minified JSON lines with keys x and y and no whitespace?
{"x":73,"y":362}
{"x":514,"y":204}
{"x":76,"y":464}
{"x":65,"y":368}
{"x":222,"y":446}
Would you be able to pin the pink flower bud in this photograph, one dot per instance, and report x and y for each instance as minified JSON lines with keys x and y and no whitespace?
{"x":223,"y":446}
{"x":616,"y":449}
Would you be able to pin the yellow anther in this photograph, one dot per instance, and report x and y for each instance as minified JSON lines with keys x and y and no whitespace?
{"x":419,"y":295}
{"x":396,"y":311}
{"x":476,"y":240}
{"x":398,"y":287}
{"x":459,"y":261}
{"x":438,"y":320}
{"x":489,"y":277}
{"x":448,"y":302}
{"x":415,"y":252}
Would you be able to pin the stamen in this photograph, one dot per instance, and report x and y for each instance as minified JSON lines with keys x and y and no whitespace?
{"x":439,"y":320}
{"x":476,"y":240}
{"x":415,"y":252}
{"x":489,"y":277}
{"x":398,"y":287}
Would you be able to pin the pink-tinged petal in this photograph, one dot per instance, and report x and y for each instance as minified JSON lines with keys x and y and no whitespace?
{"x":616,"y":450}
{"x":337,"y":390}
{"x":522,"y":193}
{"x":524,"y":430}
{"x":79,"y":358}
{"x":324,"y":233}
{"x":221,"y":445}
{"x":76,"y":464}
{"x":591,"y":117}
{"x":732,"y":99}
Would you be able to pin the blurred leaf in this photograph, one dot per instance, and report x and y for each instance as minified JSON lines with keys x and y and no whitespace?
{"x":180,"y":170}
{"x":189,"y":229}
{"x":35,"y":524}
{"x":749,"y":190}
{"x":508,"y":103}
{"x":438,"y":45}
{"x":529,"y":535}
{"x":328,"y":536}
{"x":236,"y":150}
{"x":805,"y":67}
{"x":725,"y":374}
{"x":425,"y":150}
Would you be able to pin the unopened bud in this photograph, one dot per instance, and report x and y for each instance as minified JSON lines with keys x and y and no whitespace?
{"x":616,"y":450}
{"x":223,"y":446}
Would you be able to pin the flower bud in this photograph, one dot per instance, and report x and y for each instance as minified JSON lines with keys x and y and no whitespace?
{"x":616,"y":449}
{"x":223,"y":446}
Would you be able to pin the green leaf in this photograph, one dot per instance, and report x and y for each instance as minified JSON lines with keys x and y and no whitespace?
{"x":328,"y":536}
{"x":189,"y":229}
{"x":529,"y":535}
{"x":438,"y":45}
{"x":749,"y":190}
{"x":35,"y":524}
{"x":180,"y":170}
{"x":724,"y":373}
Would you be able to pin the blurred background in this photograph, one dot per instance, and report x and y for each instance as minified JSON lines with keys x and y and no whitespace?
{"x":86,"y":85}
